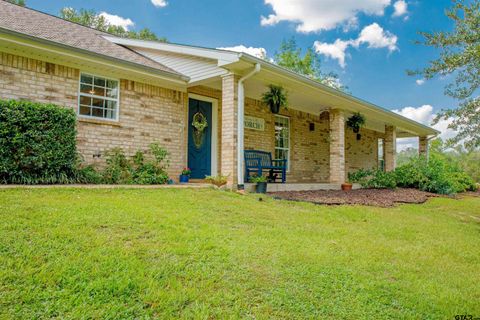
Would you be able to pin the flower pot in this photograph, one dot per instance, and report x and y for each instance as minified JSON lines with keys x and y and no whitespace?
{"x":275,"y":108}
{"x":184,"y":178}
{"x":346,"y":186}
{"x":261,"y":187}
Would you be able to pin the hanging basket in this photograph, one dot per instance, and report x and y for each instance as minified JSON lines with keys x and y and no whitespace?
{"x":199,"y":125}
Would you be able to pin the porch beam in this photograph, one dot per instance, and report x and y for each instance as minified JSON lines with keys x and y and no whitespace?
{"x":337,"y":146}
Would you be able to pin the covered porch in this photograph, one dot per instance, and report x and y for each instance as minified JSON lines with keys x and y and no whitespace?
{"x":320,"y":150}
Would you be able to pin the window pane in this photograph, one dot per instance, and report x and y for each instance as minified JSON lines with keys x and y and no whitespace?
{"x":97,"y":103}
{"x":97,"y":112}
{"x":112,"y":105}
{"x":99,"y":91}
{"x":112,"y":84}
{"x":99,"y":82}
{"x":86,"y":89}
{"x":84,"y":110}
{"x":112,"y":93}
{"x":85,"y":100}
{"x":86,"y":79}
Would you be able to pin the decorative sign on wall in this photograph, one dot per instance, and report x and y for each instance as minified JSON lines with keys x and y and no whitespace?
{"x":254,"y":123}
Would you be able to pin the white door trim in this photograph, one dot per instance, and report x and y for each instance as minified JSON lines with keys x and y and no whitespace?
{"x":214,"y":155}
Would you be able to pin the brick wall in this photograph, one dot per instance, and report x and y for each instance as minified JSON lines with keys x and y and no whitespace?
{"x":147,"y":113}
{"x":363,"y":153}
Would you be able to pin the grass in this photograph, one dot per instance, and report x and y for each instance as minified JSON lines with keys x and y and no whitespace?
{"x":125,"y":253}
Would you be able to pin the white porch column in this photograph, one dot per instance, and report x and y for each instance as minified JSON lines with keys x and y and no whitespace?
{"x":390,"y":147}
{"x":228,"y":164}
{"x":337,"y":146}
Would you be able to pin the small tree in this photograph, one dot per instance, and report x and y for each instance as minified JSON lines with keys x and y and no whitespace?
{"x":290,"y":56}
{"x":90,"y":18}
{"x":460,"y":56}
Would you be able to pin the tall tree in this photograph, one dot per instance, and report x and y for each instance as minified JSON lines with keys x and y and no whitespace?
{"x":460,"y":57}
{"x":290,"y":56}
{"x":92,"y":19}
{"x":17,"y":2}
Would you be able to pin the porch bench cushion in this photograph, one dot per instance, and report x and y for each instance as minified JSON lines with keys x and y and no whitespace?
{"x":257,"y":161}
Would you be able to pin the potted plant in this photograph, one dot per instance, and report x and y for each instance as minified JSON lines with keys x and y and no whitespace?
{"x":185,"y":175}
{"x":275,"y":98}
{"x":261,"y":183}
{"x":356,"y":122}
{"x":218,"y":181}
{"x":347,"y":186}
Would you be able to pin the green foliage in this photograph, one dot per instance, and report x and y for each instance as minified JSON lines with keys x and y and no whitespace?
{"x":435,"y":175}
{"x":218,"y":181}
{"x":290,"y":56}
{"x":275,"y":97}
{"x":37,"y":143}
{"x":356,"y":122}
{"x":119,"y":169}
{"x":460,"y":56}
{"x":94,"y":20}
{"x":375,"y":179}
{"x":359,"y":175}
{"x":17,"y":2}
{"x":257,"y":179}
{"x":88,"y":175}
{"x":203,"y":254}
{"x":137,"y":170}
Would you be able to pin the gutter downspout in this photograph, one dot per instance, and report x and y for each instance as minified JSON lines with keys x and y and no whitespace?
{"x":240,"y":125}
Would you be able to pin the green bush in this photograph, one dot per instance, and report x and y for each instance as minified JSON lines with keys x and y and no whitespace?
{"x":37,"y":143}
{"x":436,"y":175}
{"x":376,"y":179}
{"x":137,"y":170}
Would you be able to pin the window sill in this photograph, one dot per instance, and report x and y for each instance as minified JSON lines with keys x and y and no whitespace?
{"x":113,"y":123}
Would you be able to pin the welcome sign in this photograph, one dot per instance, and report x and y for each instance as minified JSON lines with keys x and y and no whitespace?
{"x":254,"y":123}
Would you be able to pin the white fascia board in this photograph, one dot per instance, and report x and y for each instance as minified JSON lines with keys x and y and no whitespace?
{"x":222,"y":56}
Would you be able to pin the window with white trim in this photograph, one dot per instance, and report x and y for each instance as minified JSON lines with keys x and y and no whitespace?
{"x":381,"y":160}
{"x":282,"y":139}
{"x":98,"y":97}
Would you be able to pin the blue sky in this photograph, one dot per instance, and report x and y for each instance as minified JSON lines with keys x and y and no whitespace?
{"x":376,"y":58}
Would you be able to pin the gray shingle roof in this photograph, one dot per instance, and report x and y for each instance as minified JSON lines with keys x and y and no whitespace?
{"x":44,"y":26}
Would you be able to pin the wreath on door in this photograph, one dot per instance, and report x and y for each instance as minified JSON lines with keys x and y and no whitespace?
{"x":199,"y":125}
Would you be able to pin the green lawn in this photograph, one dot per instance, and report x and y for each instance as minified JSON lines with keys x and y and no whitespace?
{"x":72,"y":253}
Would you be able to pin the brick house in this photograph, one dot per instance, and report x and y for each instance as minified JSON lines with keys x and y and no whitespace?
{"x":129,"y":93}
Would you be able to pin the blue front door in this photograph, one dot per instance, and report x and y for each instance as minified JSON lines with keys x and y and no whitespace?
{"x":199,"y":138}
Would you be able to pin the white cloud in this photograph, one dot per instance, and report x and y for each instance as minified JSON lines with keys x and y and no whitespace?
{"x":425,"y":115}
{"x":317,"y":15}
{"x":376,"y":37}
{"x":334,"y":50}
{"x":117,"y":20}
{"x":373,"y":35}
{"x":400,"y":7}
{"x":257,"y":52}
{"x":420,"y":81}
{"x":159,"y":3}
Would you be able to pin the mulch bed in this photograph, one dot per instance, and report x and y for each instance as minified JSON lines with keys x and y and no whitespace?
{"x":368,"y":197}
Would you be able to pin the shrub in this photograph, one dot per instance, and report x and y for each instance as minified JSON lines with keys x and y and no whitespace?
{"x":89,"y":175}
{"x":137,"y":170}
{"x":37,"y":143}
{"x":435,"y":175}
{"x":118,"y":169}
{"x":373,"y":179}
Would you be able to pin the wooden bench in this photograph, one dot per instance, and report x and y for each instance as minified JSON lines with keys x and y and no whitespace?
{"x":257,"y":161}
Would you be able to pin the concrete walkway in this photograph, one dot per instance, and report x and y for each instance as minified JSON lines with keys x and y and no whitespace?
{"x":108,"y":186}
